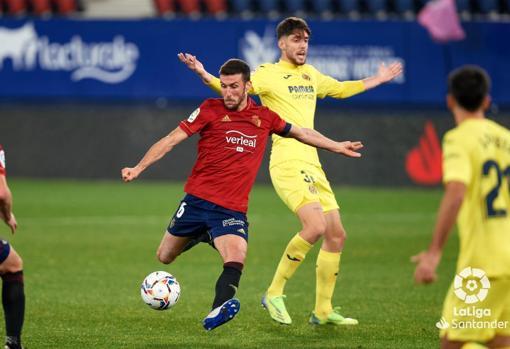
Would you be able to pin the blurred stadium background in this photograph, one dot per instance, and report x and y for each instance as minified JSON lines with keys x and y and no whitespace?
{"x":87,"y":85}
{"x":101,"y":78}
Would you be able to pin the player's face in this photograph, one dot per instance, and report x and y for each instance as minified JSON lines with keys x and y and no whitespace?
{"x":234,"y":91}
{"x":294,"y":47}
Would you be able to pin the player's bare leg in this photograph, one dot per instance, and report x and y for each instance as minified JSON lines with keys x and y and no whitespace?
{"x":232,"y":249}
{"x":13,"y":298}
{"x":12,"y":264}
{"x":335,"y":235}
{"x":313,"y":221}
{"x":328,"y":266}
{"x":170,"y":247}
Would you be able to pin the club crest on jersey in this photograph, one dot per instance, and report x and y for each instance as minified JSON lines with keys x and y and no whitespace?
{"x":194,"y":115}
{"x":306,"y":77}
{"x":256,"y":120}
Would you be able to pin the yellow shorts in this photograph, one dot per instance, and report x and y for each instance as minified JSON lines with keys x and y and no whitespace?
{"x":299,"y":183}
{"x":481,"y":321}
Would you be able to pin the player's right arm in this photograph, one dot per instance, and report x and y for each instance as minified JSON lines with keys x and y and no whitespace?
{"x":428,"y":261}
{"x":198,"y":68}
{"x":210,"y":80}
{"x":6,"y":198}
{"x":457,"y":175}
{"x":155,"y":152}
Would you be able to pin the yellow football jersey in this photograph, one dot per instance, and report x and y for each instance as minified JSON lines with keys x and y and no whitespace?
{"x":477,"y":153}
{"x":292,"y":92}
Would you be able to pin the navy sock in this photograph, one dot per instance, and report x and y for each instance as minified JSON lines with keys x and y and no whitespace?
{"x":13,"y":301}
{"x":227,"y":283}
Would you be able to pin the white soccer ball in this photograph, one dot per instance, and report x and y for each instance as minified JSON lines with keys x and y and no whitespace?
{"x":160,"y":290}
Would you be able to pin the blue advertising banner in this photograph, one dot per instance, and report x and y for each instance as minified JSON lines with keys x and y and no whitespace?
{"x":84,"y":59}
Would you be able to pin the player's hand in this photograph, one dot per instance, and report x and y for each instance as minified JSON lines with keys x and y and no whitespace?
{"x":349,"y":149}
{"x":388,"y":73}
{"x":130,"y":173}
{"x":426,"y":265}
{"x":192,"y":63}
{"x":12,"y":223}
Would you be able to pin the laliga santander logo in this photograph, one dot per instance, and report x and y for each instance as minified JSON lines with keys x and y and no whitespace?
{"x":471,"y":285}
{"x":110,"y":62}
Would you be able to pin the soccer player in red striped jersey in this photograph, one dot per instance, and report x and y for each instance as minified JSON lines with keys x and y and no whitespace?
{"x":233,"y":134}
{"x":11,"y":268}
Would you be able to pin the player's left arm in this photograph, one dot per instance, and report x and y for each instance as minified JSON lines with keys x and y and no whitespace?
{"x":427,"y":261}
{"x":328,"y":86}
{"x":318,"y":140}
{"x":384,"y":74}
{"x":155,"y":152}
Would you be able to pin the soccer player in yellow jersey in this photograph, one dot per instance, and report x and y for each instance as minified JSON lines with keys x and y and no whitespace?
{"x":291,"y":88}
{"x":476,"y":175}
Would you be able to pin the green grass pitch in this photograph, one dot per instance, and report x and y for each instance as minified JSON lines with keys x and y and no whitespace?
{"x":88,"y":245}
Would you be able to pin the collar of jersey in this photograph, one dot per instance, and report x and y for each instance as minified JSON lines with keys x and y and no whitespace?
{"x":286,"y":64}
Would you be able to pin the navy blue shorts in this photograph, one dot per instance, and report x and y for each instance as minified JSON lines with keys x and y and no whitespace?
{"x":196,"y":216}
{"x":5,"y":248}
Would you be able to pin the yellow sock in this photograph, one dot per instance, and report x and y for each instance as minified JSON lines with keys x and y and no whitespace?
{"x":328,"y":265}
{"x":292,"y":258}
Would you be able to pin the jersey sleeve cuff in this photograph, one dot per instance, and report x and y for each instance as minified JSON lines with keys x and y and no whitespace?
{"x":455,"y":178}
{"x":186,"y":129}
{"x":285,"y":130}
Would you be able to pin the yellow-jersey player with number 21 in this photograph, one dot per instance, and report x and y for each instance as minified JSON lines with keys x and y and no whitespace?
{"x":476,"y":175}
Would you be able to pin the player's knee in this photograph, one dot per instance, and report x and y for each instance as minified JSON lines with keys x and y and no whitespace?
{"x":17,"y":265}
{"x":335,"y":242}
{"x":165,"y":258}
{"x":236,"y":254}
{"x":316,"y":230}
{"x":13,"y":263}
{"x":340,"y":235}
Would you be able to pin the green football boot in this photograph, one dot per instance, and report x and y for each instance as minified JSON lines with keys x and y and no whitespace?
{"x":334,"y":318}
{"x":276,"y":308}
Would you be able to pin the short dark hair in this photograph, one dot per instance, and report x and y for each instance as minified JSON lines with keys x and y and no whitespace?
{"x":469,"y":85}
{"x":236,"y":66}
{"x":290,"y":24}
